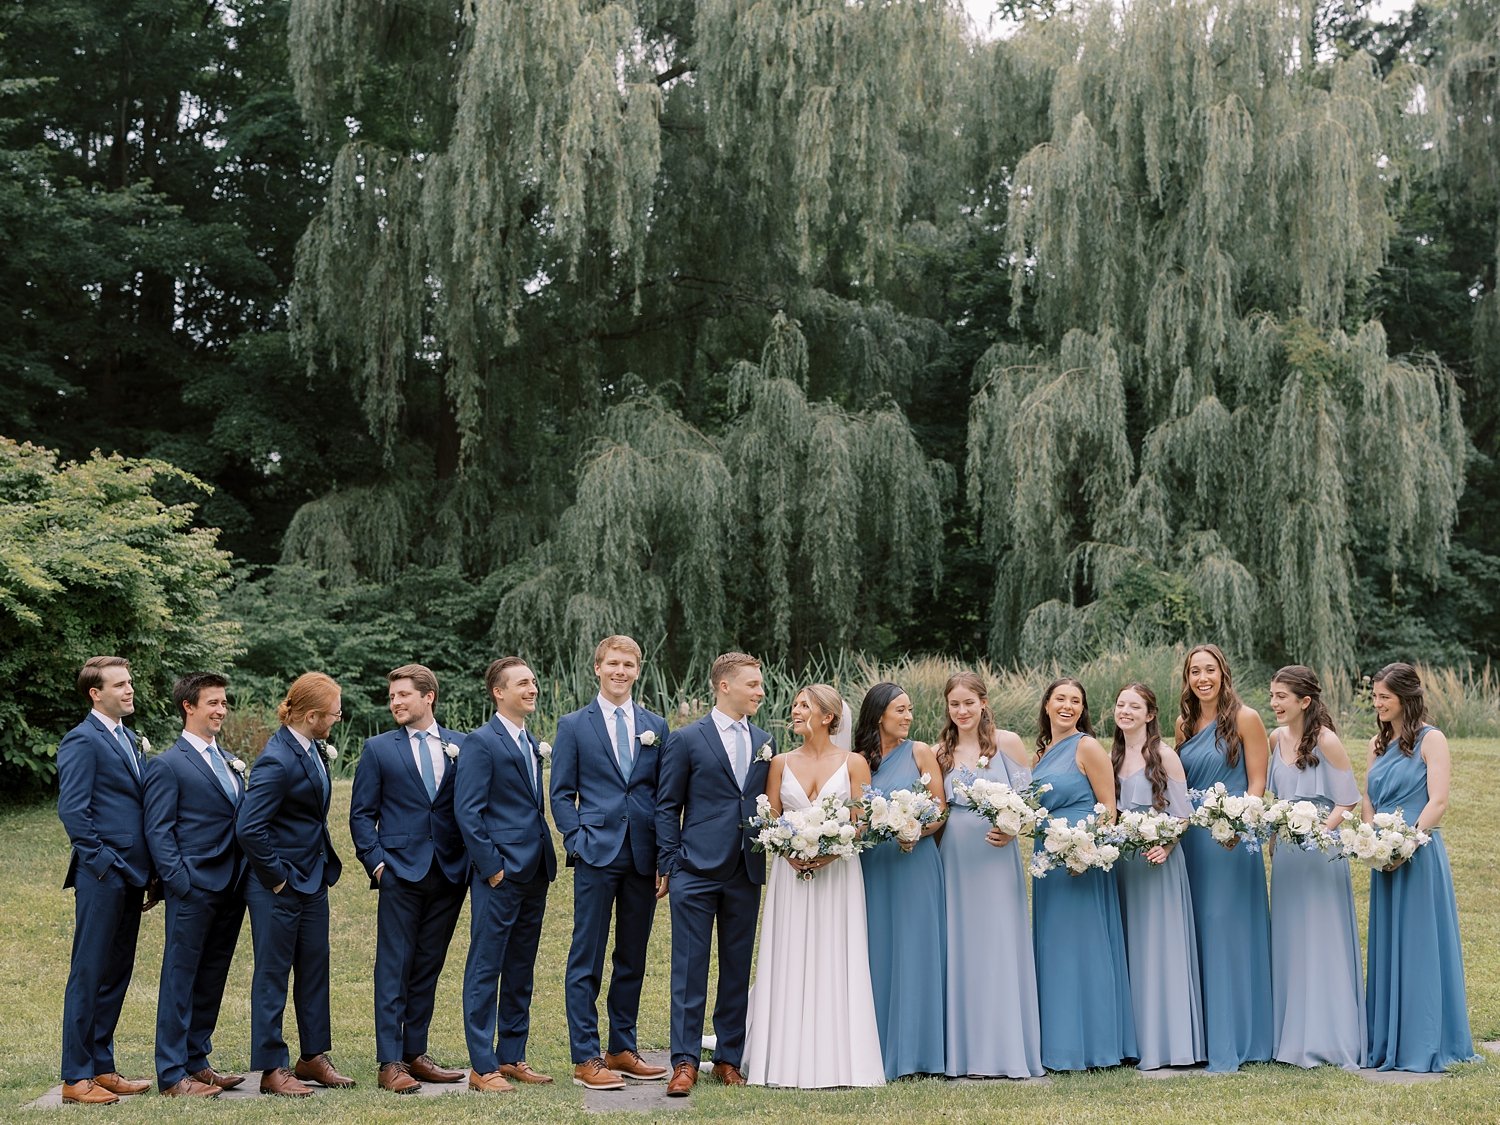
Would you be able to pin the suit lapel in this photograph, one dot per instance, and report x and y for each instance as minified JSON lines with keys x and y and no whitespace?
{"x":521,"y":758}
{"x":449,"y":737}
{"x":715,"y":744}
{"x":401,"y":744}
{"x":134,"y":767}
{"x":205,"y":769}
{"x":309,"y":767}
{"x":596,"y":720}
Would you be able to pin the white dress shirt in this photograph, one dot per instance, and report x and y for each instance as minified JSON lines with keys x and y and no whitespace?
{"x":727,"y":736}
{"x":434,"y":750}
{"x":206,"y":751}
{"x":607,"y":709}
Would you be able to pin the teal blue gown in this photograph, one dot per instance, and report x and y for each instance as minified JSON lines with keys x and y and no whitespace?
{"x":1232,"y":920}
{"x":1083,"y":981}
{"x":904,"y":909}
{"x":1418,"y":1011}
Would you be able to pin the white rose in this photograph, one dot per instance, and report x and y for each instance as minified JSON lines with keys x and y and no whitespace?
{"x":330,"y":751}
{"x":648,"y":738}
{"x":846,"y":832}
{"x":145,"y":745}
{"x":1148,"y":830}
{"x":237,"y":764}
{"x":1234,"y":806}
{"x":984,"y":761}
{"x":1221,"y":831}
{"x":1009,"y":823}
{"x":544,"y":751}
{"x":451,"y":749}
{"x":765,"y":754}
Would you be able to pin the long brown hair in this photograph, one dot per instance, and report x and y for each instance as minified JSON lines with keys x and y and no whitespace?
{"x":1044,"y":720}
{"x":1406,"y":685}
{"x":1303,"y":682}
{"x":1226,"y":713}
{"x":948,"y":740}
{"x":1156,"y":770}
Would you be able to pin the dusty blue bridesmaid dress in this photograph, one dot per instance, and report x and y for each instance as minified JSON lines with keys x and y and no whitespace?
{"x":1156,"y":907}
{"x":1232,"y":920}
{"x":993,"y":1025}
{"x":904,"y":910}
{"x":1083,"y":982}
{"x":1418,"y":1012}
{"x":1317,"y":994}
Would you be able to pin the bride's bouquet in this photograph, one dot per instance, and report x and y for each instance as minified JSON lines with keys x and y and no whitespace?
{"x":1077,"y":845}
{"x":824,"y":828}
{"x":1381,"y":842}
{"x":1298,"y":824}
{"x":1228,"y":817}
{"x":1140,"y":830}
{"x":1015,"y":812}
{"x":901,"y":815}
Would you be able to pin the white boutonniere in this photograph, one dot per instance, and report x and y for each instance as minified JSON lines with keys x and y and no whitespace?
{"x":984,"y":761}
{"x":330,"y":751}
{"x":145,"y":744}
{"x":544,"y":751}
{"x":648,"y":738}
{"x":450,"y":749}
{"x":237,"y":765}
{"x":766,"y":753}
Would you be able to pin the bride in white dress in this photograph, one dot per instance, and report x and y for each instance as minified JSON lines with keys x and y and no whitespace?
{"x":812,"y":1012}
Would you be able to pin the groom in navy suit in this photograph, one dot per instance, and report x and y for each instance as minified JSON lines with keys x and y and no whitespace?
{"x":711,"y":773}
{"x":193,"y":792}
{"x":99,"y":800}
{"x":604,"y":803}
{"x":406,"y":835}
{"x":500,"y":800}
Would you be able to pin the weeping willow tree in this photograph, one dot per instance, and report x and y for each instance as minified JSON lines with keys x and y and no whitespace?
{"x":1205,"y":441}
{"x":555,"y":227}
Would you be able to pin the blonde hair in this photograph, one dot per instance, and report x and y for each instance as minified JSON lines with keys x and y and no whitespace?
{"x":311,"y":691}
{"x":727,"y":664}
{"x":828,"y":701}
{"x":619,"y":641}
{"x":420,"y":675}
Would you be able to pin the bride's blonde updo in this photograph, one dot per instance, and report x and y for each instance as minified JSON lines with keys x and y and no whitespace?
{"x":828,"y":701}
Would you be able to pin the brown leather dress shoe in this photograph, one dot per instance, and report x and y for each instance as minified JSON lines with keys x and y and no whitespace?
{"x":629,"y":1064}
{"x":192,"y":1088}
{"x":592,"y":1074}
{"x":319,"y":1069}
{"x":491,"y":1083}
{"x":87,"y":1092}
{"x":396,"y":1077}
{"x":684,"y":1075}
{"x":521,"y":1072}
{"x":119,"y":1084}
{"x":729,"y":1074}
{"x":424,"y":1069}
{"x":211,"y":1077}
{"x":283,"y":1084}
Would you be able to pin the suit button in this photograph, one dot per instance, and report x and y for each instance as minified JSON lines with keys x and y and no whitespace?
{"x":623,"y":819}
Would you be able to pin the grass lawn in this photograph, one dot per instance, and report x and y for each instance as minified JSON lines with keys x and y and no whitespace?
{"x":35,"y":939}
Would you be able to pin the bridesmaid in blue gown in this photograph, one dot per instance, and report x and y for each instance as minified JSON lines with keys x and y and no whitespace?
{"x":904,"y":902}
{"x":1219,"y":739}
{"x":1083,"y":983}
{"x":1317,"y":993}
{"x":1156,"y":905}
{"x":994,"y":1029}
{"x":1418,"y":1013}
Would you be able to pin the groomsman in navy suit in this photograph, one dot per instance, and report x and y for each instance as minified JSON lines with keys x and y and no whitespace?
{"x":711,"y":773}
{"x":193,"y":792}
{"x":406,"y":835}
{"x":604,"y":803}
{"x":99,"y":801}
{"x":283,"y":828}
{"x":500,"y":799}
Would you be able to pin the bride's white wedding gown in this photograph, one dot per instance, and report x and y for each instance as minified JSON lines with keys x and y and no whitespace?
{"x":812,"y":1012}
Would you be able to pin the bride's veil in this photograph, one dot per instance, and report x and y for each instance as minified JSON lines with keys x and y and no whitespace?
{"x":844,"y":737}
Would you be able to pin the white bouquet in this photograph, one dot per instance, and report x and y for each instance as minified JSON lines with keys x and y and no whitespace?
{"x":1015,"y":812}
{"x":901,"y":815}
{"x":1383,"y":841}
{"x":822,"y":829}
{"x":1140,"y":830}
{"x":1078,"y":845}
{"x":1298,"y":824}
{"x":1228,"y":817}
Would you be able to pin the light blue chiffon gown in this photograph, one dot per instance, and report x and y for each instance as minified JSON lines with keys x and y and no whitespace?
{"x":1231,"y":918}
{"x":1083,"y":982}
{"x":904,"y":908}
{"x":994,"y":1028}
{"x":1317,"y":995}
{"x":1418,"y":1013}
{"x":1156,"y":907}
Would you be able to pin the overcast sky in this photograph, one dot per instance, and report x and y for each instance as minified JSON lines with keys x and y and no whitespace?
{"x":981,"y":12}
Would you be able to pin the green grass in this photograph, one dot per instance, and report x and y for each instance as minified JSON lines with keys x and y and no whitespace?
{"x":34,"y":944}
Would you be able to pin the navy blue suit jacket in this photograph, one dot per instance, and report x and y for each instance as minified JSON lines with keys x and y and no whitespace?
{"x":500,"y":815}
{"x":190,"y":822}
{"x":283,"y":818}
{"x":101,"y":804}
{"x":591,"y":803}
{"x":700,"y":811}
{"x":392,"y":820}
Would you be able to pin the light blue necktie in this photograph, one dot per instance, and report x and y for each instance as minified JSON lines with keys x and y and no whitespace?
{"x":525,"y":741}
{"x":135,"y":766}
{"x":622,"y":743}
{"x":424,"y":763}
{"x":741,"y":753}
{"x":221,"y":771}
{"x":316,"y":753}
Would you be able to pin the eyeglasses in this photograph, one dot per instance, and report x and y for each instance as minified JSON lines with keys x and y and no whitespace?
{"x":335,"y":715}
